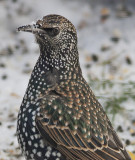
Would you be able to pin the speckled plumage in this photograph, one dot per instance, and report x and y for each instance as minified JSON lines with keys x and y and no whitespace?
{"x":60,"y":118}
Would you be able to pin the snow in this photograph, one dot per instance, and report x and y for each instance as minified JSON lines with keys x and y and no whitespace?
{"x":19,"y":52}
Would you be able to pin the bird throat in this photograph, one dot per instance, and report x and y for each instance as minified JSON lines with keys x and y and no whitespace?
{"x":51,"y":58}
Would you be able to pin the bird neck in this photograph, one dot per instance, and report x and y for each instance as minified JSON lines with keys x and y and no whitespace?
{"x":49,"y":64}
{"x":56,"y":58}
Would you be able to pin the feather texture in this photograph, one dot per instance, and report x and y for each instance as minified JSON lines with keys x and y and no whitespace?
{"x":77,"y":123}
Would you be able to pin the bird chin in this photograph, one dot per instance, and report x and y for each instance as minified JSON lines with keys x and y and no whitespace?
{"x":39,"y":39}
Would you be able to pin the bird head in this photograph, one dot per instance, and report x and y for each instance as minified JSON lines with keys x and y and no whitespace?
{"x":56,"y":37}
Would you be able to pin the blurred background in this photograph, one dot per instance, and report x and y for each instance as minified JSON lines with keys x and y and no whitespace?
{"x":106,"y":43}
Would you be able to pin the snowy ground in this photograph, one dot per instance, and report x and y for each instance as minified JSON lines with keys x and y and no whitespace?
{"x":107,"y":52}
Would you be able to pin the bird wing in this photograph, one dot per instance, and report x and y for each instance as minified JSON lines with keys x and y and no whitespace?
{"x":78,"y":134}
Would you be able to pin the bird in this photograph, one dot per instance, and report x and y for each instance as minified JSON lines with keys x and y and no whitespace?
{"x":60,"y":117}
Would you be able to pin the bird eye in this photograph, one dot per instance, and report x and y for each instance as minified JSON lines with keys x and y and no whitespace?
{"x":52,"y":31}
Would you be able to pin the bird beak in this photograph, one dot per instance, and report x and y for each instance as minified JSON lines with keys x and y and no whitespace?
{"x":30,"y":28}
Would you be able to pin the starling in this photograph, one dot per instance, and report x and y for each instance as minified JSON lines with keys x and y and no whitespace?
{"x":60,"y":117}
